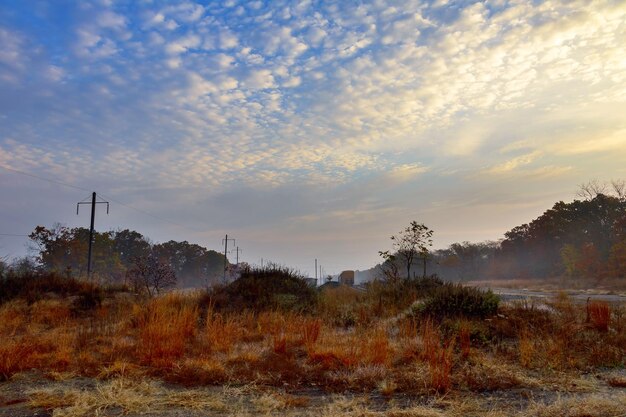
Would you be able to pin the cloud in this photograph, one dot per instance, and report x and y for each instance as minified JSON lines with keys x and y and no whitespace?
{"x":406,"y":172}
{"x":183,"y":44}
{"x":259,"y":79}
{"x":514,"y":163}
{"x":279,"y":96}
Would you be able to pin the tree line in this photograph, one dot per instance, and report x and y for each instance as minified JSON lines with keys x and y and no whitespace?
{"x":123,"y":256}
{"x":585,"y":238}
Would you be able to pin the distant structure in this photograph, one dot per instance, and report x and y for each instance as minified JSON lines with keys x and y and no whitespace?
{"x":311,"y":281}
{"x":347,"y":278}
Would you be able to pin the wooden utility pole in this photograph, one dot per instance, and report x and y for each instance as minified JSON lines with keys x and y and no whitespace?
{"x":93,"y":218}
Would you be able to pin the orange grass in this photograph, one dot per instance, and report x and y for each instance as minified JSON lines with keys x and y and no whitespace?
{"x":311,"y":332}
{"x":167,"y":337}
{"x":165,"y":327}
{"x":600,"y":315}
{"x":221,"y":333}
{"x":465,"y":339}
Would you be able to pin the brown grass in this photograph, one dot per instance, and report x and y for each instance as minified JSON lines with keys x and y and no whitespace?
{"x":600,"y":315}
{"x":176,"y":339}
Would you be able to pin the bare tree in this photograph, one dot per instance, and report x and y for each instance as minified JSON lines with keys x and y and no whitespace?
{"x":150,"y":274}
{"x":591,"y":189}
{"x":619,"y":189}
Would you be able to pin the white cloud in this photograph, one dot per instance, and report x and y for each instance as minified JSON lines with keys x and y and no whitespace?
{"x":183,"y":44}
{"x":260,"y":79}
{"x":109,"y":19}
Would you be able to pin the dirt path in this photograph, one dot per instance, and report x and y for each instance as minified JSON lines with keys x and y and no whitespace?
{"x":30,"y":395}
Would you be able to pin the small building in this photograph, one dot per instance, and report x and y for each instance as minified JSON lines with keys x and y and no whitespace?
{"x":346,"y":278}
{"x":312,"y":282}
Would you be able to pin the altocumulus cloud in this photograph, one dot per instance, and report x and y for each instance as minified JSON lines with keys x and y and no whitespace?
{"x":220,"y":96}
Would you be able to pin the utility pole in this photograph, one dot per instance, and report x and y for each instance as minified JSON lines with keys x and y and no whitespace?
{"x":238,"y":250}
{"x":225,"y":242}
{"x":93,"y":218}
{"x":316,"y":280}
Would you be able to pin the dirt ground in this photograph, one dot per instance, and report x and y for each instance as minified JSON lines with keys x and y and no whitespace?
{"x":33,"y":394}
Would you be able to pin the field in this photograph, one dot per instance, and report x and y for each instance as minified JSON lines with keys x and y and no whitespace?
{"x":76,"y":349}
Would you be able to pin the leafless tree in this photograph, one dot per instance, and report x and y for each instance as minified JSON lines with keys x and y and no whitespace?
{"x":619,"y":189}
{"x":150,"y":274}
{"x":591,"y":189}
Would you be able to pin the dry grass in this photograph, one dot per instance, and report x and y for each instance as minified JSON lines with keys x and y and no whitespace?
{"x":129,"y":396}
{"x":176,"y":339}
{"x":600,"y":315}
{"x":166,"y":325}
{"x":122,"y":396}
{"x":596,"y":406}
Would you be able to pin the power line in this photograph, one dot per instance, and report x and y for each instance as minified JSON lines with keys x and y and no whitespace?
{"x":145,"y":212}
{"x":17,"y":171}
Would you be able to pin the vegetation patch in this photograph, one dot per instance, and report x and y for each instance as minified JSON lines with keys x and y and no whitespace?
{"x":456,"y":300}
{"x":269,"y":288}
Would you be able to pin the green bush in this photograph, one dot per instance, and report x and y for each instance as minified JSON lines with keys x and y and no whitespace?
{"x":269,"y":288}
{"x":455,"y":300}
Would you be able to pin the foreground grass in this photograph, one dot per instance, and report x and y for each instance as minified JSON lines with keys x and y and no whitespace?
{"x":120,"y":396}
{"x":135,"y":349}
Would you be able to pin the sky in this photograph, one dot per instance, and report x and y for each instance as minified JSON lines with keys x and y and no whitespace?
{"x":306,"y":129}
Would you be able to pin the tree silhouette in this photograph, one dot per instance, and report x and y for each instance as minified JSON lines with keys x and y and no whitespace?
{"x":410,"y":243}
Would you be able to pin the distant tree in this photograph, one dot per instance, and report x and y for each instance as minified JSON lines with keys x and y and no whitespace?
{"x":534,"y":249}
{"x":23,"y":266}
{"x":570,"y":257}
{"x":617,"y":260}
{"x":614,"y":188}
{"x":590,"y":262}
{"x":151,"y":274}
{"x":4,"y":267}
{"x":619,"y":189}
{"x":64,"y":250}
{"x":591,"y":189}
{"x":410,"y":243}
{"x":194,"y":265}
{"x":389,"y":267}
{"x":129,"y":245}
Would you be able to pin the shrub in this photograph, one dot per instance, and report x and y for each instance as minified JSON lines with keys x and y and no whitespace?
{"x":31,"y":286}
{"x":269,"y":288}
{"x":402,"y":292}
{"x":455,"y":300}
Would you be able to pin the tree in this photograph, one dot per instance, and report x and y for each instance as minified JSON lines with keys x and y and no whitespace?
{"x":194,"y":265}
{"x":64,"y":250}
{"x":589,"y":263}
{"x":617,"y":259}
{"x":410,"y":243}
{"x":151,"y":274}
{"x":130,"y":245}
{"x":570,"y":259}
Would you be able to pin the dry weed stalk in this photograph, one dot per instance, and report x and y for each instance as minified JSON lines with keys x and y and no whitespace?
{"x":599,"y":314}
